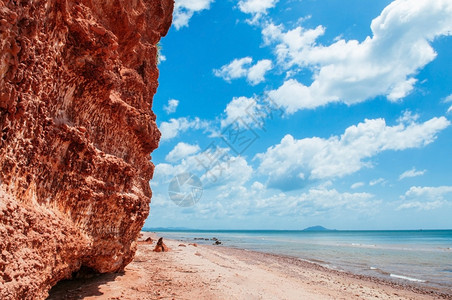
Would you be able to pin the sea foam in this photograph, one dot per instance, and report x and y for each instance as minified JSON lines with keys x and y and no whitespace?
{"x":406,"y":278}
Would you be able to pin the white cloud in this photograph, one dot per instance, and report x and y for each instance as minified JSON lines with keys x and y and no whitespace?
{"x":257,"y":186}
{"x":229,"y":192}
{"x":196,"y":163}
{"x":240,"y":107}
{"x":357,"y":185}
{"x":181,"y":150}
{"x":293,"y":96}
{"x":377,"y":181}
{"x":256,"y":6}
{"x":242,"y":67}
{"x":163,"y":171}
{"x":291,"y":42}
{"x":421,"y":205}
{"x":425,"y":198}
{"x":172,"y":128}
{"x":428,"y":192}
{"x":411,"y":173}
{"x":215,"y":167}
{"x":232,"y":171}
{"x":184,"y":10}
{"x":235,"y":69}
{"x":324,"y":199}
{"x":257,"y":72}
{"x":408,"y":117}
{"x":317,"y":201}
{"x":250,"y":112}
{"x":352,"y":71}
{"x":161,"y":58}
{"x":448,"y":99}
{"x":171,"y":106}
{"x":291,"y":162}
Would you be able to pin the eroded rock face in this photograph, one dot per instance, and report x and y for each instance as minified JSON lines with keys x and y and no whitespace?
{"x":76,"y":132}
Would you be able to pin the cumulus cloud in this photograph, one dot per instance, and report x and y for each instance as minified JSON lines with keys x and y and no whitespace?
{"x":215,"y":166}
{"x":357,"y":185}
{"x":326,"y":199}
{"x":421,"y":205}
{"x":381,"y":181}
{"x":292,"y":162}
{"x":243,"y":67}
{"x":351,"y":71}
{"x":171,"y":106}
{"x":180,"y":151}
{"x":256,"y":6}
{"x":240,"y":107}
{"x":411,"y":173}
{"x":257,"y":72}
{"x":235,"y":69}
{"x":172,"y":128}
{"x":317,"y":201}
{"x":228,"y":172}
{"x":184,"y":10}
{"x":197,"y":163}
{"x":427,"y":192}
{"x":251,"y":112}
{"x":425,"y":198}
{"x":448,"y":99}
{"x":257,"y":186}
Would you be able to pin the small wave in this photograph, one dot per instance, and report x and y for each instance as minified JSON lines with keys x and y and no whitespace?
{"x":444,"y":249}
{"x":363,"y":245}
{"x":406,"y":278}
{"x":317,"y":261}
{"x":380,"y":271}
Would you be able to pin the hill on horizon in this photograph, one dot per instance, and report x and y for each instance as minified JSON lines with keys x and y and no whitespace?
{"x":317,"y":228}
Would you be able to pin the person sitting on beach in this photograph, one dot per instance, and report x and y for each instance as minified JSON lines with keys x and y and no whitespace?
{"x":161,"y":247}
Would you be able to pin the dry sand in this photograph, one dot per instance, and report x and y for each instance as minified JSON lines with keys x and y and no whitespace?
{"x":217,"y":272}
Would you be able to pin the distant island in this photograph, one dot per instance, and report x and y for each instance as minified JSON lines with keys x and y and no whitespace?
{"x":156,"y":229}
{"x":318,"y":228}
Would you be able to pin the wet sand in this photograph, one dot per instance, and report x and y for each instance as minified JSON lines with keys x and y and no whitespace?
{"x":217,"y":272}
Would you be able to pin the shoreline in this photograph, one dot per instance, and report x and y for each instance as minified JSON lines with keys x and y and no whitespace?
{"x":221,"y":272}
{"x":402,"y":284}
{"x":375,"y":255}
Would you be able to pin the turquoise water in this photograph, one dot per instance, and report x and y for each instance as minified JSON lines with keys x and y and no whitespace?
{"x":422,"y":256}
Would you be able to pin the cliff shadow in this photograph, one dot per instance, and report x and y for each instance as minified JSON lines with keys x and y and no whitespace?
{"x":81,"y":286}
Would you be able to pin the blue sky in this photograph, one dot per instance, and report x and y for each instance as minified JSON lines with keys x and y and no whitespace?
{"x":298,"y":113}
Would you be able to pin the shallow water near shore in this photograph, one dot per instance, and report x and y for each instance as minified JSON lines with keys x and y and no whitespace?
{"x":420,"y":256}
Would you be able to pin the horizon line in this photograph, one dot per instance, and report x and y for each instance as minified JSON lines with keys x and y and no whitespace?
{"x":327,"y":229}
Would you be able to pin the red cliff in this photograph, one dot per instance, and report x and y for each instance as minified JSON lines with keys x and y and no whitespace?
{"x":77,"y":80}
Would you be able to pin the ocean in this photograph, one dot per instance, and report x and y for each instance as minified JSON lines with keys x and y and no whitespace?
{"x":421,"y":256}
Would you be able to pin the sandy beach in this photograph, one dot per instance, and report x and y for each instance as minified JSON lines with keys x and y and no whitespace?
{"x":190,"y":271}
